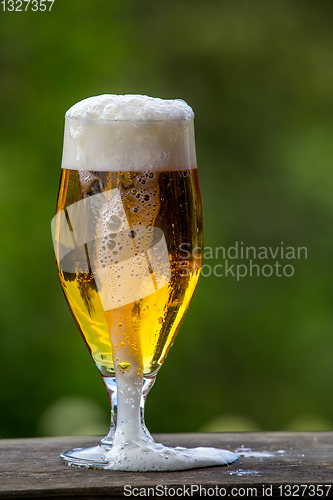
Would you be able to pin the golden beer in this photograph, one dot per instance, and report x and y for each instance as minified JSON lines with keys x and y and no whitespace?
{"x":167,"y":200}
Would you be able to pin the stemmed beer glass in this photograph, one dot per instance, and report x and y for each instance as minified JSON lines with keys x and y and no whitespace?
{"x":128,"y":238}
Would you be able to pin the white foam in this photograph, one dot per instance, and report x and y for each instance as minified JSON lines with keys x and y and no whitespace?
{"x":111,"y":107}
{"x":152,"y":456}
{"x":129,"y":133}
{"x":135,"y":450}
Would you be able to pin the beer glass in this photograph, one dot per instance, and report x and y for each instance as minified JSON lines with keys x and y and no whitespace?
{"x":128,"y":239}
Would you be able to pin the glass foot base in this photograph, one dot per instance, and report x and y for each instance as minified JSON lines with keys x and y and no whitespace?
{"x":88,"y":458}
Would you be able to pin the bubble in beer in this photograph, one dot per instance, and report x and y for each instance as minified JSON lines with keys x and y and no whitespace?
{"x":111,"y":244}
{"x":114,"y":223}
{"x":124,"y":366}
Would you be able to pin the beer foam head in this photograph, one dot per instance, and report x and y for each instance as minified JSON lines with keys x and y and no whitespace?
{"x":129,"y":133}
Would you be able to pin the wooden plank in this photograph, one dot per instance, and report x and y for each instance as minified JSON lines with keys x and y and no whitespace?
{"x":31,"y":468}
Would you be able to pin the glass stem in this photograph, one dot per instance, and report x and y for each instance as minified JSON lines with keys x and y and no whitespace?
{"x":111,"y":387}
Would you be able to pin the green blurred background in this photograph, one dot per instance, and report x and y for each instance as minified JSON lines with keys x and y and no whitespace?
{"x":252,"y":354}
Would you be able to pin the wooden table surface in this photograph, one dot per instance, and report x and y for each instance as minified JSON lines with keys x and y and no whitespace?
{"x":31,"y":468}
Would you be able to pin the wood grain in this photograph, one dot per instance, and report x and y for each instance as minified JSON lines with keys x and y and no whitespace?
{"x":31,"y":468}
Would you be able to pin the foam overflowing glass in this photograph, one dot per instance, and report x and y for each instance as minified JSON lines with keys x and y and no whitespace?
{"x":126,"y":234}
